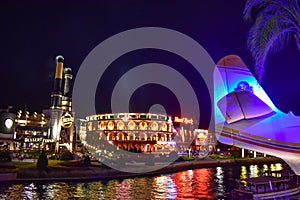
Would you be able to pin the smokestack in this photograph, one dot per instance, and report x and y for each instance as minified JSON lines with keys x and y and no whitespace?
{"x":67,"y":99}
{"x":68,"y":77}
{"x":56,"y":95}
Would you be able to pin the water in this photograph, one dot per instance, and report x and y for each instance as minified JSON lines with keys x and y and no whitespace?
{"x":205,"y":183}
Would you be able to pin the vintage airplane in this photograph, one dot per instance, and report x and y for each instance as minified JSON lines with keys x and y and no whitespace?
{"x":246,"y":117}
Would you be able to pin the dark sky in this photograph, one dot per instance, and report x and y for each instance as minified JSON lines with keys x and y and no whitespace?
{"x":34,"y":32}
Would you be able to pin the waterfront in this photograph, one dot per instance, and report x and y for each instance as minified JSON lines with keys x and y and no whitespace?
{"x":204,"y":183}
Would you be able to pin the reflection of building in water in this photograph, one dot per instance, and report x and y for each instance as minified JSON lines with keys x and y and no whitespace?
{"x":144,"y":132}
{"x":197,"y":190}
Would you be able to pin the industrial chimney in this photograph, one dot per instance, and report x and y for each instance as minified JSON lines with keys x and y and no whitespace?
{"x":56,"y":95}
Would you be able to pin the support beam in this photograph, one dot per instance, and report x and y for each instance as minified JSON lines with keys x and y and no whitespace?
{"x":243,"y":153}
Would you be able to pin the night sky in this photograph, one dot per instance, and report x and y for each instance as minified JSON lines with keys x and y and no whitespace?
{"x":33,"y":33}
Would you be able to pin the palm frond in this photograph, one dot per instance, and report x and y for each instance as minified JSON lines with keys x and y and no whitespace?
{"x":250,"y":5}
{"x":267,"y":36}
{"x":276,"y":21}
{"x":276,"y":7}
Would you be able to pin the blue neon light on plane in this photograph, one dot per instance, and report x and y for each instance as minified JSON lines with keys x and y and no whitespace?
{"x":247,"y":118}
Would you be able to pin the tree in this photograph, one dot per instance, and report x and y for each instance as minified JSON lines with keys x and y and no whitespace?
{"x":276,"y":21}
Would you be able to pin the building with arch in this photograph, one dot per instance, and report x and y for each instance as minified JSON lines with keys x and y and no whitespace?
{"x":136,"y":132}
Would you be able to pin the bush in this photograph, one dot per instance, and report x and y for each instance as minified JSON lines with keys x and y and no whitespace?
{"x":187,"y":158}
{"x":220,"y":156}
{"x":5,"y":157}
{"x":236,"y":154}
{"x":67,"y":156}
{"x":42,"y":162}
{"x":86,"y":161}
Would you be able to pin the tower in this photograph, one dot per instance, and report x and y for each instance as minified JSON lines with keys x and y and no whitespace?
{"x":56,"y":96}
{"x":60,"y":112}
{"x":67,"y":97}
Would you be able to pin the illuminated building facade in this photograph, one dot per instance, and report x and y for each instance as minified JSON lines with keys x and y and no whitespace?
{"x":7,"y":124}
{"x":32,"y":132}
{"x":189,"y":137}
{"x":185,"y":133}
{"x":25,"y":132}
{"x":141,"y":132}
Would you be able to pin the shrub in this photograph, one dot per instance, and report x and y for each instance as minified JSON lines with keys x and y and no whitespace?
{"x":86,"y":161}
{"x":236,"y":154}
{"x":5,"y":157}
{"x":42,"y":162}
{"x":67,"y":156}
{"x":220,"y":156}
{"x":187,"y":158}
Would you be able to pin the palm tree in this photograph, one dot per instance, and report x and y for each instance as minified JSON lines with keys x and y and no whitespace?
{"x":276,"y":21}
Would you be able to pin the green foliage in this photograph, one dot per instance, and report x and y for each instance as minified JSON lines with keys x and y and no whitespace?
{"x":236,"y":153}
{"x":67,"y":156}
{"x":5,"y":157}
{"x":220,"y":156}
{"x":187,"y":158}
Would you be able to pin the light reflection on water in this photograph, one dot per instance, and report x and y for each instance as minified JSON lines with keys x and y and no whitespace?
{"x":205,"y":183}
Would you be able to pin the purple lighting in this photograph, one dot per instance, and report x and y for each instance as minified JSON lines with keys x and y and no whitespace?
{"x":246,"y":117}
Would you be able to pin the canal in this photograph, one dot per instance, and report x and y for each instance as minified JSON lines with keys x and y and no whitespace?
{"x":203,"y":183}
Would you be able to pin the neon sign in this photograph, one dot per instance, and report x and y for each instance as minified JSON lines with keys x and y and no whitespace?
{"x":67,"y":120}
{"x":184,"y":120}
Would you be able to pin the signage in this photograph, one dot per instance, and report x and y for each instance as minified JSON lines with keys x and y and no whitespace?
{"x":8,"y":123}
{"x":39,"y":140}
{"x":184,"y":120}
{"x":201,"y":136}
{"x":67,"y":120}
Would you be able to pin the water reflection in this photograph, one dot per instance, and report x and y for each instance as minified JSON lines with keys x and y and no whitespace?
{"x":259,"y":170}
{"x":195,"y":184}
{"x":205,"y":183}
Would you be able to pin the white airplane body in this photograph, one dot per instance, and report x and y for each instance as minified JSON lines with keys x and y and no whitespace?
{"x":246,"y":117}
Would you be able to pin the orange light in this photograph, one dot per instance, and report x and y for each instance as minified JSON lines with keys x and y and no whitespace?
{"x":164,"y":127}
{"x":110,"y":125}
{"x":120,"y":125}
{"x":154,"y":126}
{"x":131,"y":125}
{"x":143,"y":125}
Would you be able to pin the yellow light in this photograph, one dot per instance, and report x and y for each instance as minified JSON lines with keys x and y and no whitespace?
{"x":120,"y":125}
{"x":154,"y":126}
{"x":164,"y":127}
{"x":110,"y":125}
{"x":131,"y":125}
{"x":143,"y":125}
{"x":102,"y":126}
